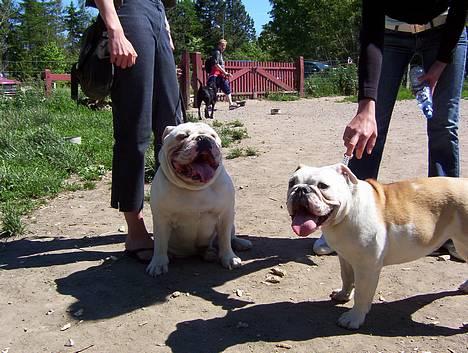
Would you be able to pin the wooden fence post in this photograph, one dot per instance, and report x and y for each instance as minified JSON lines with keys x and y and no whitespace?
{"x":197,"y":73}
{"x":184,"y":82}
{"x":300,"y":76}
{"x":47,"y":82}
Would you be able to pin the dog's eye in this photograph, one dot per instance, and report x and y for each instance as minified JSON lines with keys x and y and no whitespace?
{"x":291,"y":183}
{"x":181,"y":137}
{"x":322,"y":186}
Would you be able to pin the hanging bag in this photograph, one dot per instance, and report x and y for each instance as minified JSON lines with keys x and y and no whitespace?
{"x":93,"y":72}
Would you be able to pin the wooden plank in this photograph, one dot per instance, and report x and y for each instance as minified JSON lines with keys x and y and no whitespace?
{"x":274,"y":80}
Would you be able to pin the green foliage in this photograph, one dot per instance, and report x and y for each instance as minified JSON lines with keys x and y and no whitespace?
{"x":234,"y":153}
{"x":220,"y":18}
{"x":465,"y":89}
{"x":318,"y":29}
{"x":76,"y":20}
{"x":10,"y":217}
{"x":186,"y":29}
{"x":40,"y":34}
{"x":250,"y":51}
{"x":281,"y":96}
{"x":36,"y":158}
{"x":337,"y":81}
{"x":242,"y":152}
{"x":51,"y":56}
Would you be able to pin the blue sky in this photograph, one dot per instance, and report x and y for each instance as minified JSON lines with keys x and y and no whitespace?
{"x":258,"y":10}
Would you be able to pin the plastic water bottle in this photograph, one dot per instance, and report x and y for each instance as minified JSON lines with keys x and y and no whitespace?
{"x":421,"y":90}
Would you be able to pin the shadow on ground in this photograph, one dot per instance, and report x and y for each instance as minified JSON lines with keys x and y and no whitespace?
{"x":286,"y":321}
{"x":103,"y":291}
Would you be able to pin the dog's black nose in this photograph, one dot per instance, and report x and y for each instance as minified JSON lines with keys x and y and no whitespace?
{"x":203,"y":143}
{"x":303,"y":189}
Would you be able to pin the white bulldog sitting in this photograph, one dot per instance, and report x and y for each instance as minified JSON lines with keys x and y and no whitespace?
{"x":371,"y":225}
{"x":192,"y":199}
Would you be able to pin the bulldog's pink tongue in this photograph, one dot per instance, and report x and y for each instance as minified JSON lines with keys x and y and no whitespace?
{"x":303,"y":224}
{"x":205,"y":171}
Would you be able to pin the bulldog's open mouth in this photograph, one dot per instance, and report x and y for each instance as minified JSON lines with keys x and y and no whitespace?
{"x":201,"y":169}
{"x":305,"y":223}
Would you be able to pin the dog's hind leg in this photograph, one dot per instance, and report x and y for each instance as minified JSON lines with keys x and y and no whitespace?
{"x":346,"y":292}
{"x":199,"y":114}
{"x":461,"y":248}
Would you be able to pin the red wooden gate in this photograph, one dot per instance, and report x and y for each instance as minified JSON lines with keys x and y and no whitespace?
{"x":253,"y":79}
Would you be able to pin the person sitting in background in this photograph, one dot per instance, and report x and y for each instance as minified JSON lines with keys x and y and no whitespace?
{"x":219,"y":74}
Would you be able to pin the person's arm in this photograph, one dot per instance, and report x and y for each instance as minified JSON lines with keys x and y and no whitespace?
{"x":451,"y":33}
{"x":361,"y":133}
{"x":223,"y":71}
{"x":122,"y":53}
{"x":217,"y":65}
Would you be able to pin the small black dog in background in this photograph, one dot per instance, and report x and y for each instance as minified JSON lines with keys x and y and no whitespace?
{"x":207,"y":94}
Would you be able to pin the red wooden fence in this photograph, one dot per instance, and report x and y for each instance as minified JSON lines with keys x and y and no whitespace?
{"x":49,"y":79}
{"x":253,"y":79}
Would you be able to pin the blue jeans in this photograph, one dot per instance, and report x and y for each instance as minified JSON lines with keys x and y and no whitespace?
{"x":221,"y":83}
{"x":145,"y":99}
{"x":442,"y":129}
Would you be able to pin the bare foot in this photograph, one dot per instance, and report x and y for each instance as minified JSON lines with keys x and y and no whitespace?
{"x":138,"y":237}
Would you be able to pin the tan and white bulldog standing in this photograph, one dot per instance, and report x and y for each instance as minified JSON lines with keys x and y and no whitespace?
{"x":192,"y":199}
{"x":371,"y":225}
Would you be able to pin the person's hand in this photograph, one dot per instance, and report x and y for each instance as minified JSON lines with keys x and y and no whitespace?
{"x":122,"y":53}
{"x":433,"y":74}
{"x":361,"y":133}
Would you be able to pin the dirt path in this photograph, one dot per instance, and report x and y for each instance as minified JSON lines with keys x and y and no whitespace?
{"x":69,"y":268}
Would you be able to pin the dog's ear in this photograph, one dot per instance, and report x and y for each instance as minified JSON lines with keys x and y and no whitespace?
{"x":167,"y":131}
{"x":346,"y":172}
{"x":300,"y":166}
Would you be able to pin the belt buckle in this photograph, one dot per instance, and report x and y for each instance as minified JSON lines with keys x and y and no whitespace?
{"x":418,"y":28}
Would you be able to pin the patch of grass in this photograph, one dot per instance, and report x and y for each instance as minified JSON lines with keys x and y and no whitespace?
{"x":234,"y":153}
{"x":192,"y":118}
{"x":241,"y":152}
{"x":11,"y":221}
{"x":251,"y":151}
{"x":281,"y":96}
{"x":236,"y":123}
{"x":216,"y":123}
{"x":229,"y":134}
{"x":465,"y":89}
{"x":35,"y":157}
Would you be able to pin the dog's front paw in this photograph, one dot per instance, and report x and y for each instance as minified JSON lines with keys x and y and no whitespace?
{"x":352,"y":319}
{"x":342,"y":296}
{"x":230,"y":260}
{"x":158,"y":265}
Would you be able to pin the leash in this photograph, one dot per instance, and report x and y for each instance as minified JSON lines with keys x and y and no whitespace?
{"x":346,"y":159}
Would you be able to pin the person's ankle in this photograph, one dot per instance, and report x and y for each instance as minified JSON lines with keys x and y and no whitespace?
{"x":137,"y":234}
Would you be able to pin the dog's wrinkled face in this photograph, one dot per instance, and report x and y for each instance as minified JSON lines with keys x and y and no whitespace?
{"x":192,"y":151}
{"x":318,"y":196}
